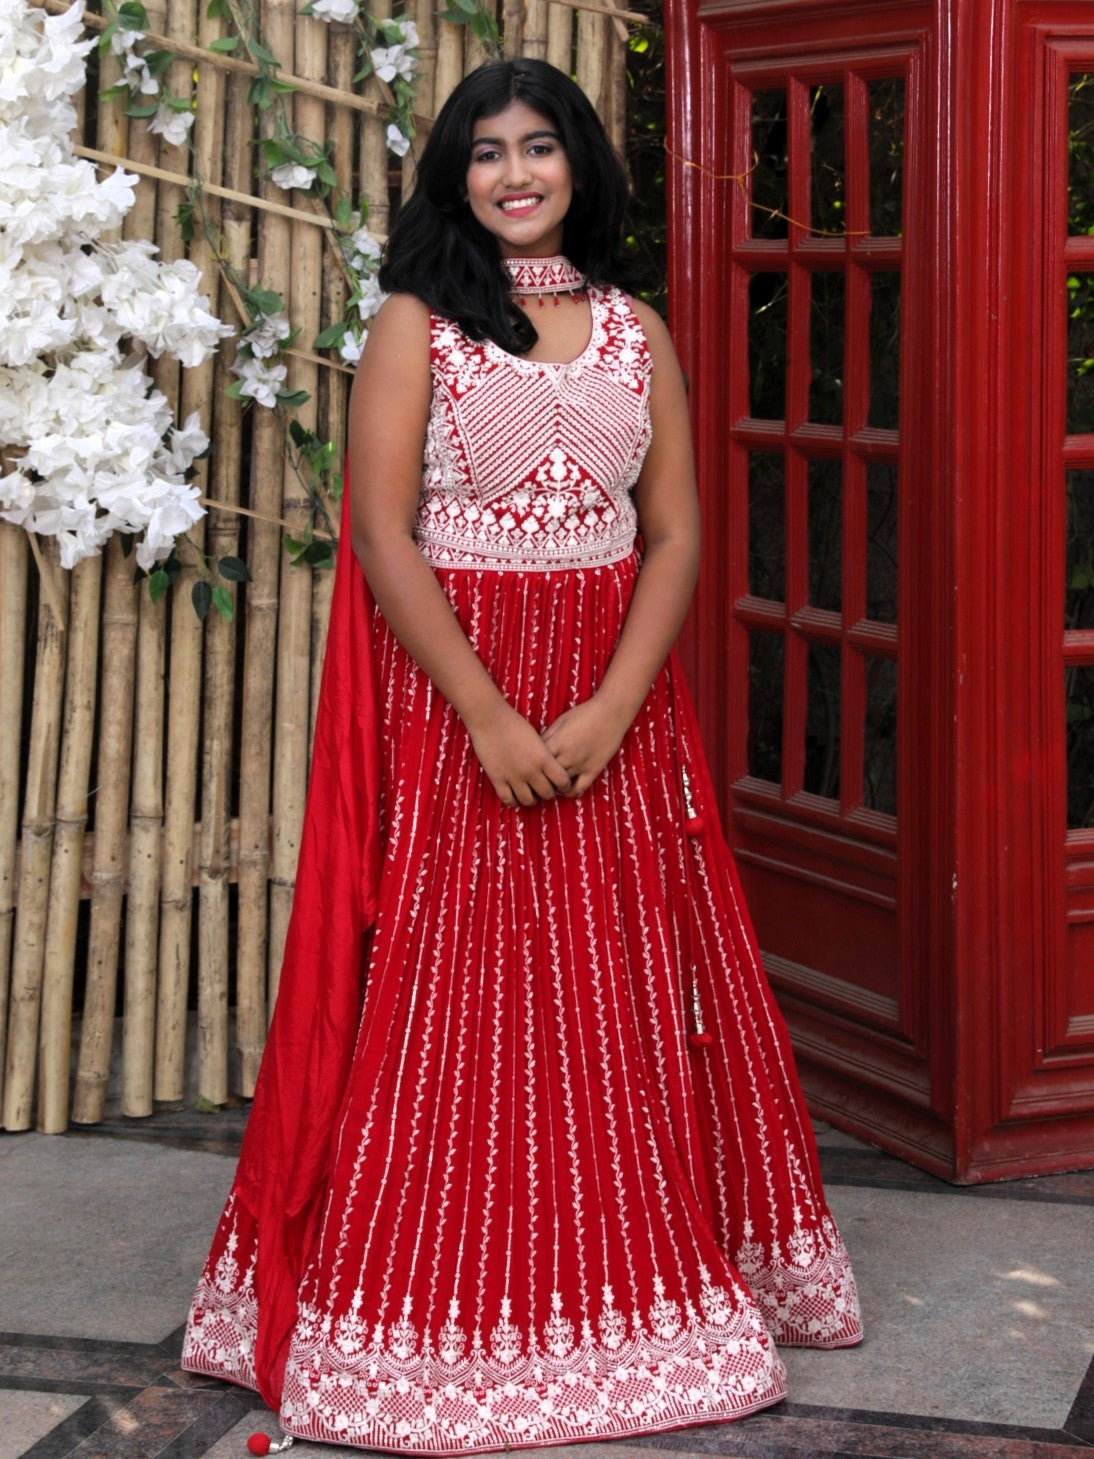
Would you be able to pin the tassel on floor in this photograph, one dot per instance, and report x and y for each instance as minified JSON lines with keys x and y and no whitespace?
{"x":260,"y":1443}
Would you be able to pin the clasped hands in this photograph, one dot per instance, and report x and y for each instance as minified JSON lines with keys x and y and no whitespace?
{"x":525,"y":766}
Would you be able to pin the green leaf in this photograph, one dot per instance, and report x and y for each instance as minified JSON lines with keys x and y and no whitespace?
{"x":126,"y":541}
{"x":300,"y":434}
{"x":206,"y":1106}
{"x":223,"y":44}
{"x":260,"y":53}
{"x":293,"y":545}
{"x":260,"y":93}
{"x":263,"y":301}
{"x":142,"y":109}
{"x":218,"y":10}
{"x":158,"y":584}
{"x":222,"y":602}
{"x":343,"y":213}
{"x":201,"y":595}
{"x":331,"y":338}
{"x":292,"y":398}
{"x":326,"y":173}
{"x":232,"y":391}
{"x":118,"y":89}
{"x":132,"y":16}
{"x":283,"y":88}
{"x":234,"y":570}
{"x":158,"y":62}
{"x":184,"y":218}
{"x":106,"y":37}
{"x":319,"y":553}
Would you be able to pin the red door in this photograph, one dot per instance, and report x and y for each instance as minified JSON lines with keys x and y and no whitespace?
{"x":853,"y":254}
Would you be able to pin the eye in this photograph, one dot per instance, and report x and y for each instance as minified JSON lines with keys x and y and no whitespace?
{"x":486,"y":154}
{"x":541,"y":149}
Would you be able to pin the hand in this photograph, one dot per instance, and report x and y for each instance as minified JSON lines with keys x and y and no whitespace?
{"x":583,"y":740}
{"x":517,"y":762}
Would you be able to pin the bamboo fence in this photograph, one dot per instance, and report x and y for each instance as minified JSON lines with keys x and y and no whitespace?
{"x":153,"y":782}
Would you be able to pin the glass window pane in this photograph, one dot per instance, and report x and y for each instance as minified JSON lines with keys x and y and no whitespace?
{"x":769,"y":171}
{"x":826,"y":135}
{"x":884,"y":350}
{"x":766,"y":536}
{"x":767,"y":346}
{"x":1080,"y":354}
{"x":826,"y":318}
{"x":822,"y":723}
{"x":881,"y":542}
{"x":765,"y":706}
{"x":1079,"y":692}
{"x":825,"y":534}
{"x":1079,"y":563}
{"x":885,"y":139}
{"x":879,"y":745}
{"x":1080,"y":154}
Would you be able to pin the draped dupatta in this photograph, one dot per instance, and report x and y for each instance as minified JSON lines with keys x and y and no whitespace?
{"x":287,"y":1147}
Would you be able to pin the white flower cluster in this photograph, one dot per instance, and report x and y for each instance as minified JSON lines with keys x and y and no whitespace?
{"x":255,"y":363}
{"x":362,"y":253}
{"x":398,"y":59}
{"x":87,"y":444}
{"x":173,"y":119}
{"x":337,"y":10}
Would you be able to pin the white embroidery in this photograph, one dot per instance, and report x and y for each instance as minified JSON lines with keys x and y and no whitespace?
{"x":808,"y":1298}
{"x":530,"y":465}
{"x":392,"y":1390}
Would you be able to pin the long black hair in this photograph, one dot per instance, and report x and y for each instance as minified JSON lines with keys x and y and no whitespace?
{"x":439,"y":250}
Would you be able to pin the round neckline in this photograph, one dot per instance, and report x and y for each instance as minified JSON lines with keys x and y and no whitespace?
{"x":526,"y":366}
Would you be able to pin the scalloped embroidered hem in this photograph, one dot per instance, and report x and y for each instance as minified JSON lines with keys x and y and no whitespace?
{"x":440,"y":1409}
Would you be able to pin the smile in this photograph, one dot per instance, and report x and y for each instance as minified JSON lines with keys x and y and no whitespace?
{"x":522,"y":204}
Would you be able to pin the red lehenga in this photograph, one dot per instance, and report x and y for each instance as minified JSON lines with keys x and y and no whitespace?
{"x":545,"y":1174}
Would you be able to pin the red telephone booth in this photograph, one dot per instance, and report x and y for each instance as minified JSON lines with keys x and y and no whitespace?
{"x":882,"y":220}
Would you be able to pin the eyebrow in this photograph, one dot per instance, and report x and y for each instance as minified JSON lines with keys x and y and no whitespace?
{"x":528,"y":137}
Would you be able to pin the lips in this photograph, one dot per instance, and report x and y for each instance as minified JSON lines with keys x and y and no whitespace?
{"x":522,"y":203}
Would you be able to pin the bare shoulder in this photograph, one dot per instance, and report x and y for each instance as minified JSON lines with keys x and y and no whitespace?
{"x":401,"y":323}
{"x":657,"y":335}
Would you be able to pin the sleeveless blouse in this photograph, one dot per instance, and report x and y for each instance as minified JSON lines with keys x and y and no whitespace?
{"x":529,"y":466}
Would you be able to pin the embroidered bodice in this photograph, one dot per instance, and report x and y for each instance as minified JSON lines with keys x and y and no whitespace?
{"x":528,"y":465}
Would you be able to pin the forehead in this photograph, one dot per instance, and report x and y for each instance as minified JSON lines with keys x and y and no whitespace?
{"x":517,"y":120}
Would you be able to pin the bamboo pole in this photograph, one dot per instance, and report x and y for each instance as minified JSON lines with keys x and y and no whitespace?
{"x":55,"y":1035}
{"x":474,"y":52}
{"x":146,"y":799}
{"x":292,"y":715}
{"x":260,"y":645}
{"x":560,"y":36}
{"x":222,"y":539}
{"x":592,"y":55}
{"x":449,"y":65}
{"x":535,"y":29}
{"x":13,"y":628}
{"x":616,"y":109}
{"x":110,"y":806}
{"x":513,"y":26}
{"x":375,"y":159}
{"x":35,"y":854}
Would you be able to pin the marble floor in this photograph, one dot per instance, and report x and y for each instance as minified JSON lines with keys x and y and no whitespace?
{"x":979,"y":1306}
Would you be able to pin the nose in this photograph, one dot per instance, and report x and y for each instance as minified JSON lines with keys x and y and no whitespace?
{"x":516,"y":168}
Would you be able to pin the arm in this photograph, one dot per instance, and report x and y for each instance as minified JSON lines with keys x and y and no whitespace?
{"x":389,"y":411}
{"x":586,"y":737}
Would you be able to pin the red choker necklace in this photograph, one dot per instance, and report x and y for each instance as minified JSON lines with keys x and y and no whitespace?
{"x":546,"y":276}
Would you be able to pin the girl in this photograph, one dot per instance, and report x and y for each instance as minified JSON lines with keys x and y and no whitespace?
{"x":549,"y":1177}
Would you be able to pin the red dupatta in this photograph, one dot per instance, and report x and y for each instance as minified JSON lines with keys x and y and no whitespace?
{"x":287,"y":1147}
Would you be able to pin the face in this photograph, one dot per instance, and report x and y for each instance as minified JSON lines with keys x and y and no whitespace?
{"x":519,"y":184}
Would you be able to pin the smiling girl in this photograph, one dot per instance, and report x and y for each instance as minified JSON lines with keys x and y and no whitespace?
{"x":567,"y":1187}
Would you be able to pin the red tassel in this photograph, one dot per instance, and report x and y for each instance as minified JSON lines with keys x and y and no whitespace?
{"x":694,"y":825}
{"x":259,"y":1443}
{"x":700,"y":1040}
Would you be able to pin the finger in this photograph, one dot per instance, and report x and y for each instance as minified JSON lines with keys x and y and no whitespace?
{"x":557,"y":776}
{"x":525,"y":794}
{"x":505,"y":794}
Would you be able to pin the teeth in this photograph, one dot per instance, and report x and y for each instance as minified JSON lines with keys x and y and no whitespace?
{"x":519,"y":204}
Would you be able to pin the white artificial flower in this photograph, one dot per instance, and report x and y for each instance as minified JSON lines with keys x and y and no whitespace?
{"x":365,"y":250}
{"x":391,"y":61}
{"x":411,"y":37}
{"x":328,"y":10}
{"x":292,"y":174}
{"x":351,"y":347}
{"x":261,"y":382}
{"x":267,"y":334}
{"x":88,"y":437}
{"x":397,"y":141}
{"x":171,"y":124}
{"x":372,"y":296}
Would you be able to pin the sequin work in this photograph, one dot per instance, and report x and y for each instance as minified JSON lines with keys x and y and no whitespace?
{"x":552,"y":1215}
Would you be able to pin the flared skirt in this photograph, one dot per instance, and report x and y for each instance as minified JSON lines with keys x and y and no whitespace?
{"x":573,"y":1189}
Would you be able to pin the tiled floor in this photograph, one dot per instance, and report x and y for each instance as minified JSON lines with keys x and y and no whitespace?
{"x":979,"y":1306}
